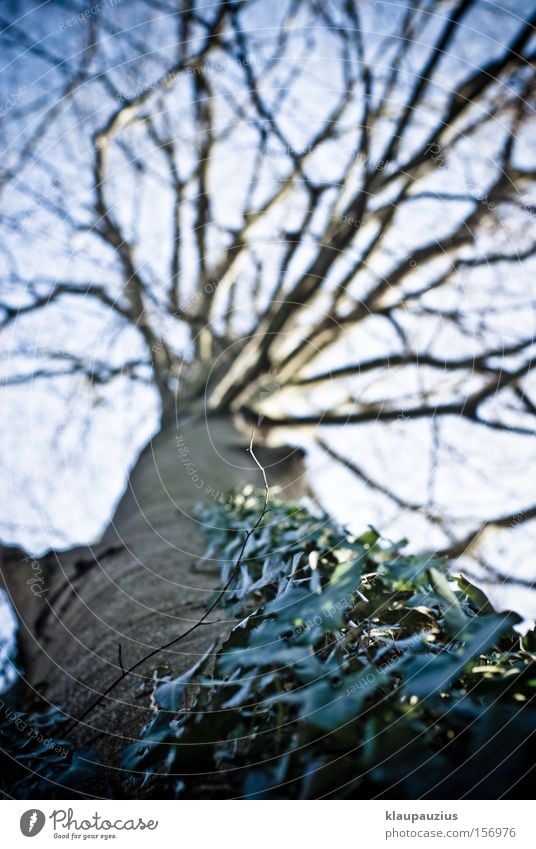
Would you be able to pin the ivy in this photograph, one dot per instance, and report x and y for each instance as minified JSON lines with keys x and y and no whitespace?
{"x":356,"y":670}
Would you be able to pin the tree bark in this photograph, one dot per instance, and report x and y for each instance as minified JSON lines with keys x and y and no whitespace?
{"x":144,"y":583}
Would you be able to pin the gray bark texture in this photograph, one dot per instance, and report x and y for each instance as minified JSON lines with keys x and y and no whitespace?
{"x":141,"y":585}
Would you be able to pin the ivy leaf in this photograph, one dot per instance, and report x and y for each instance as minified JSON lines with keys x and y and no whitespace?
{"x":329,"y":705}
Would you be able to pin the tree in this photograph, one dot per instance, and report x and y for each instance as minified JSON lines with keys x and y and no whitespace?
{"x":295,"y":222}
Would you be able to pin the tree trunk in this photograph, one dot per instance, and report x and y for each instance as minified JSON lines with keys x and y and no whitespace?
{"x":141,"y":585}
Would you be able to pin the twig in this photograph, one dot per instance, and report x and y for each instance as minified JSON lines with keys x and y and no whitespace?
{"x":201,"y":621}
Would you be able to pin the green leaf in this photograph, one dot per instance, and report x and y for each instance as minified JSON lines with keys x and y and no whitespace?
{"x":170,"y":695}
{"x":455,"y":618}
{"x":329,"y":705}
